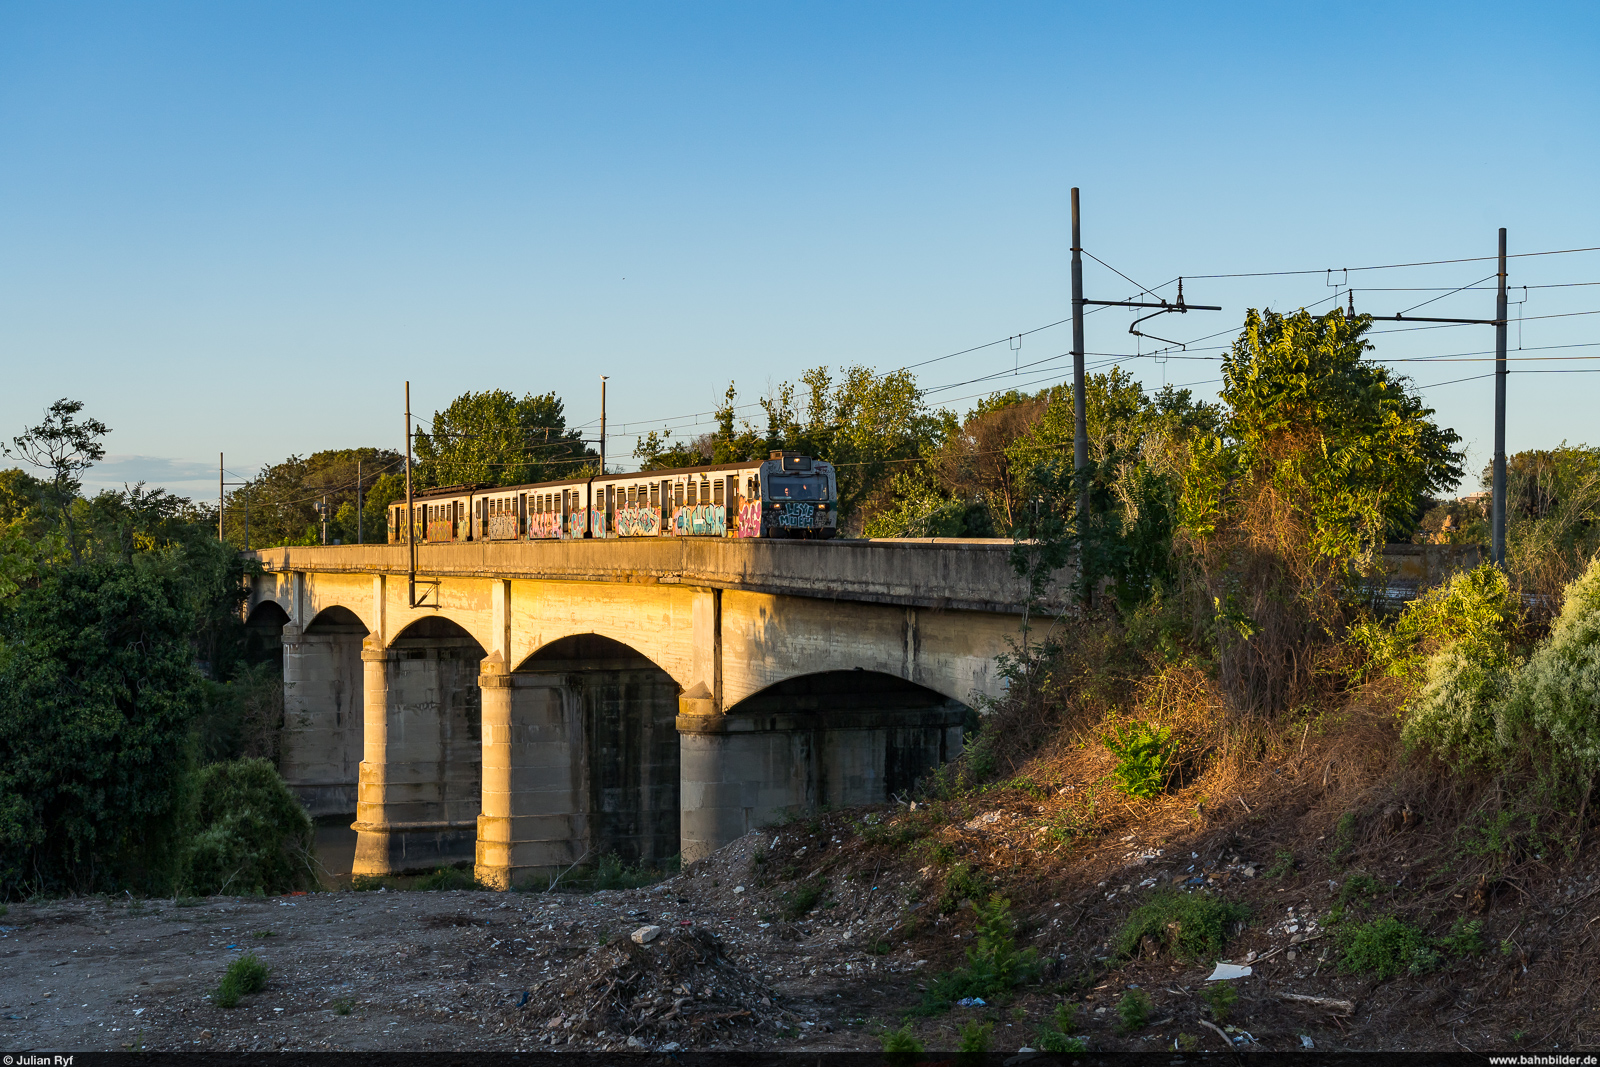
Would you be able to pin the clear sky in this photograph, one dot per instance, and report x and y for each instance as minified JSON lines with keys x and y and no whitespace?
{"x":240,"y":227}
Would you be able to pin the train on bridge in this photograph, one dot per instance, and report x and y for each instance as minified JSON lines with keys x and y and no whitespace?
{"x":787,"y":495}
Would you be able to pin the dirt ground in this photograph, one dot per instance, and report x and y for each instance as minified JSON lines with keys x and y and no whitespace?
{"x":814,"y":936}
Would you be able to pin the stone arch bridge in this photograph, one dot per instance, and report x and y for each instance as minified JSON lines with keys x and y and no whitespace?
{"x":546,"y":702}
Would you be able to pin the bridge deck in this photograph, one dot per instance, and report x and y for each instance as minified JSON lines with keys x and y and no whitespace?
{"x":949,"y":574}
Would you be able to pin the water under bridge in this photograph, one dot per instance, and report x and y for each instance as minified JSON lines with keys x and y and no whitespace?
{"x":533,"y":705}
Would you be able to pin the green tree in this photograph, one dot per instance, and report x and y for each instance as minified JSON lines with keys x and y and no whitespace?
{"x":1320,"y":451}
{"x":66,"y":448}
{"x":281,"y":501}
{"x":493,"y":437}
{"x":97,"y":694}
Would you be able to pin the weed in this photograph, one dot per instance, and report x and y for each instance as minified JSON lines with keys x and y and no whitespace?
{"x":1066,"y":1017}
{"x":1145,"y":754}
{"x":343,"y":1006}
{"x":1193,"y":925}
{"x":1386,"y":947}
{"x":1507,"y":947}
{"x":940,"y":852}
{"x":961,"y":883}
{"x":244,"y":976}
{"x":1060,"y":1044}
{"x":186,"y":902}
{"x":974,"y":1047}
{"x":448,"y":878}
{"x":900,"y":1048}
{"x":367,"y":883}
{"x":1188,"y":1043}
{"x":4,"y":911}
{"x":802,"y":898}
{"x":1465,"y":937}
{"x":1024,"y":785}
{"x":1344,"y":835}
{"x":1133,"y":1010}
{"x":1285,"y":864}
{"x":264,"y":933}
{"x":994,"y":964}
{"x":1357,"y":886}
{"x":1220,"y":997}
{"x":897,"y":833}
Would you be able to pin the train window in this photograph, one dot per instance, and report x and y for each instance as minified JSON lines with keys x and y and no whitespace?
{"x":693,"y":498}
{"x":655,"y":496}
{"x":716,"y":492}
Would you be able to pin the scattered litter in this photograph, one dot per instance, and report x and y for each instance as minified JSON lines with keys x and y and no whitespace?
{"x":1227,"y":972}
{"x":738,"y":889}
{"x":1306,"y":1042}
{"x":1341,"y":1007}
{"x":646,"y":934}
{"x":972,"y":1002}
{"x":524,"y":999}
{"x":988,"y":818}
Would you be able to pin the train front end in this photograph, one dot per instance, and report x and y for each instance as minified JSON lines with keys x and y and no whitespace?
{"x":799,"y":497}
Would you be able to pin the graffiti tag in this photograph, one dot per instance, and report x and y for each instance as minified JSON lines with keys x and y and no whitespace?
{"x":544,"y":524}
{"x":638,"y":521}
{"x":797,"y":515}
{"x":750,"y":519}
{"x":700,"y":520}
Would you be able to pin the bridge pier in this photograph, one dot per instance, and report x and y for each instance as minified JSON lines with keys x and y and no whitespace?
{"x":320,"y":744}
{"x":420,"y":782}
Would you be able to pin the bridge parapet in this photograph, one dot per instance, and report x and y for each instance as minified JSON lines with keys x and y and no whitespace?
{"x":942,"y":573}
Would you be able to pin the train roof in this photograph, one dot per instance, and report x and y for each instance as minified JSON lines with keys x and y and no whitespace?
{"x":485,"y":488}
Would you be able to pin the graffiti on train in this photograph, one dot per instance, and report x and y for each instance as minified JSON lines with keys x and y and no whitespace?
{"x":576,"y":526}
{"x":638,"y":521}
{"x":700,"y":520}
{"x":797,"y":515}
{"x":502,"y":527}
{"x":750,"y":519}
{"x":544,"y":524}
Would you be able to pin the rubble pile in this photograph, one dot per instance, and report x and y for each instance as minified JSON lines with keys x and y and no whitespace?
{"x":678,"y":989}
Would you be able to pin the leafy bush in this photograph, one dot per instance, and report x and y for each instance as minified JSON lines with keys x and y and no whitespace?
{"x":244,"y":976}
{"x":1474,"y":611}
{"x":97,"y":693}
{"x":1357,"y":886}
{"x":994,"y":964}
{"x":1283,"y":866}
{"x":802,"y":898}
{"x":961,"y":883}
{"x":251,"y":835}
{"x":1144,"y":754}
{"x":1193,"y":925}
{"x":900,"y":1047}
{"x":1220,"y":997}
{"x":1133,"y":1010}
{"x":973,"y":1050}
{"x":1056,"y":1037}
{"x":1477,"y":706}
{"x":1465,"y":937}
{"x":1386,"y":947}
{"x":1559,"y":688}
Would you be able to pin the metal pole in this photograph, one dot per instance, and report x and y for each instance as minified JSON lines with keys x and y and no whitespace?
{"x":411,"y":513}
{"x":361,"y":538}
{"x":247,"y":518}
{"x":602,"y":424}
{"x":324,"y":520}
{"x":220,"y":498}
{"x":1498,"y":520}
{"x":1080,"y":418}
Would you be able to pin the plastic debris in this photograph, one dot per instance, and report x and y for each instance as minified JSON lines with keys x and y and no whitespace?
{"x":973,"y":1002}
{"x":646,"y":934}
{"x":1227,"y":972}
{"x":1306,"y":1042}
{"x":524,"y":999}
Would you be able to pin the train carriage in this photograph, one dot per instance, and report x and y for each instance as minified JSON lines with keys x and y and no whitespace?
{"x":787,"y":495}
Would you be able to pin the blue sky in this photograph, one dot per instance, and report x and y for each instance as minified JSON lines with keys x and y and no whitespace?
{"x":240,"y":227}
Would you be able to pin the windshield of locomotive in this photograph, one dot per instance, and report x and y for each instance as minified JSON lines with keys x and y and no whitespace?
{"x":797,"y":487}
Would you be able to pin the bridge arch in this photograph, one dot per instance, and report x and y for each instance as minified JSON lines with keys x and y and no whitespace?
{"x":422,"y":762}
{"x":828,"y":738}
{"x":624,"y":707}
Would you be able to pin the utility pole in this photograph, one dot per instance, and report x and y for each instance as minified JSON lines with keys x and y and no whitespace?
{"x":1497,"y":506}
{"x":411,"y":513}
{"x":221,"y":498}
{"x":247,"y":521}
{"x":1497,"y":551}
{"x":361,"y":538}
{"x":1080,"y":416}
{"x":1080,"y":411}
{"x":602,"y":424}
{"x":324,"y":510}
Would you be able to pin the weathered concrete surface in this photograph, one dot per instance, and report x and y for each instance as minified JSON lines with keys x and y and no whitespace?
{"x":951,"y":574}
{"x":482,"y":740}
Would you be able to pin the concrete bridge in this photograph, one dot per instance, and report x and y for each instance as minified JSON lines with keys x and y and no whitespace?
{"x":547,"y":702}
